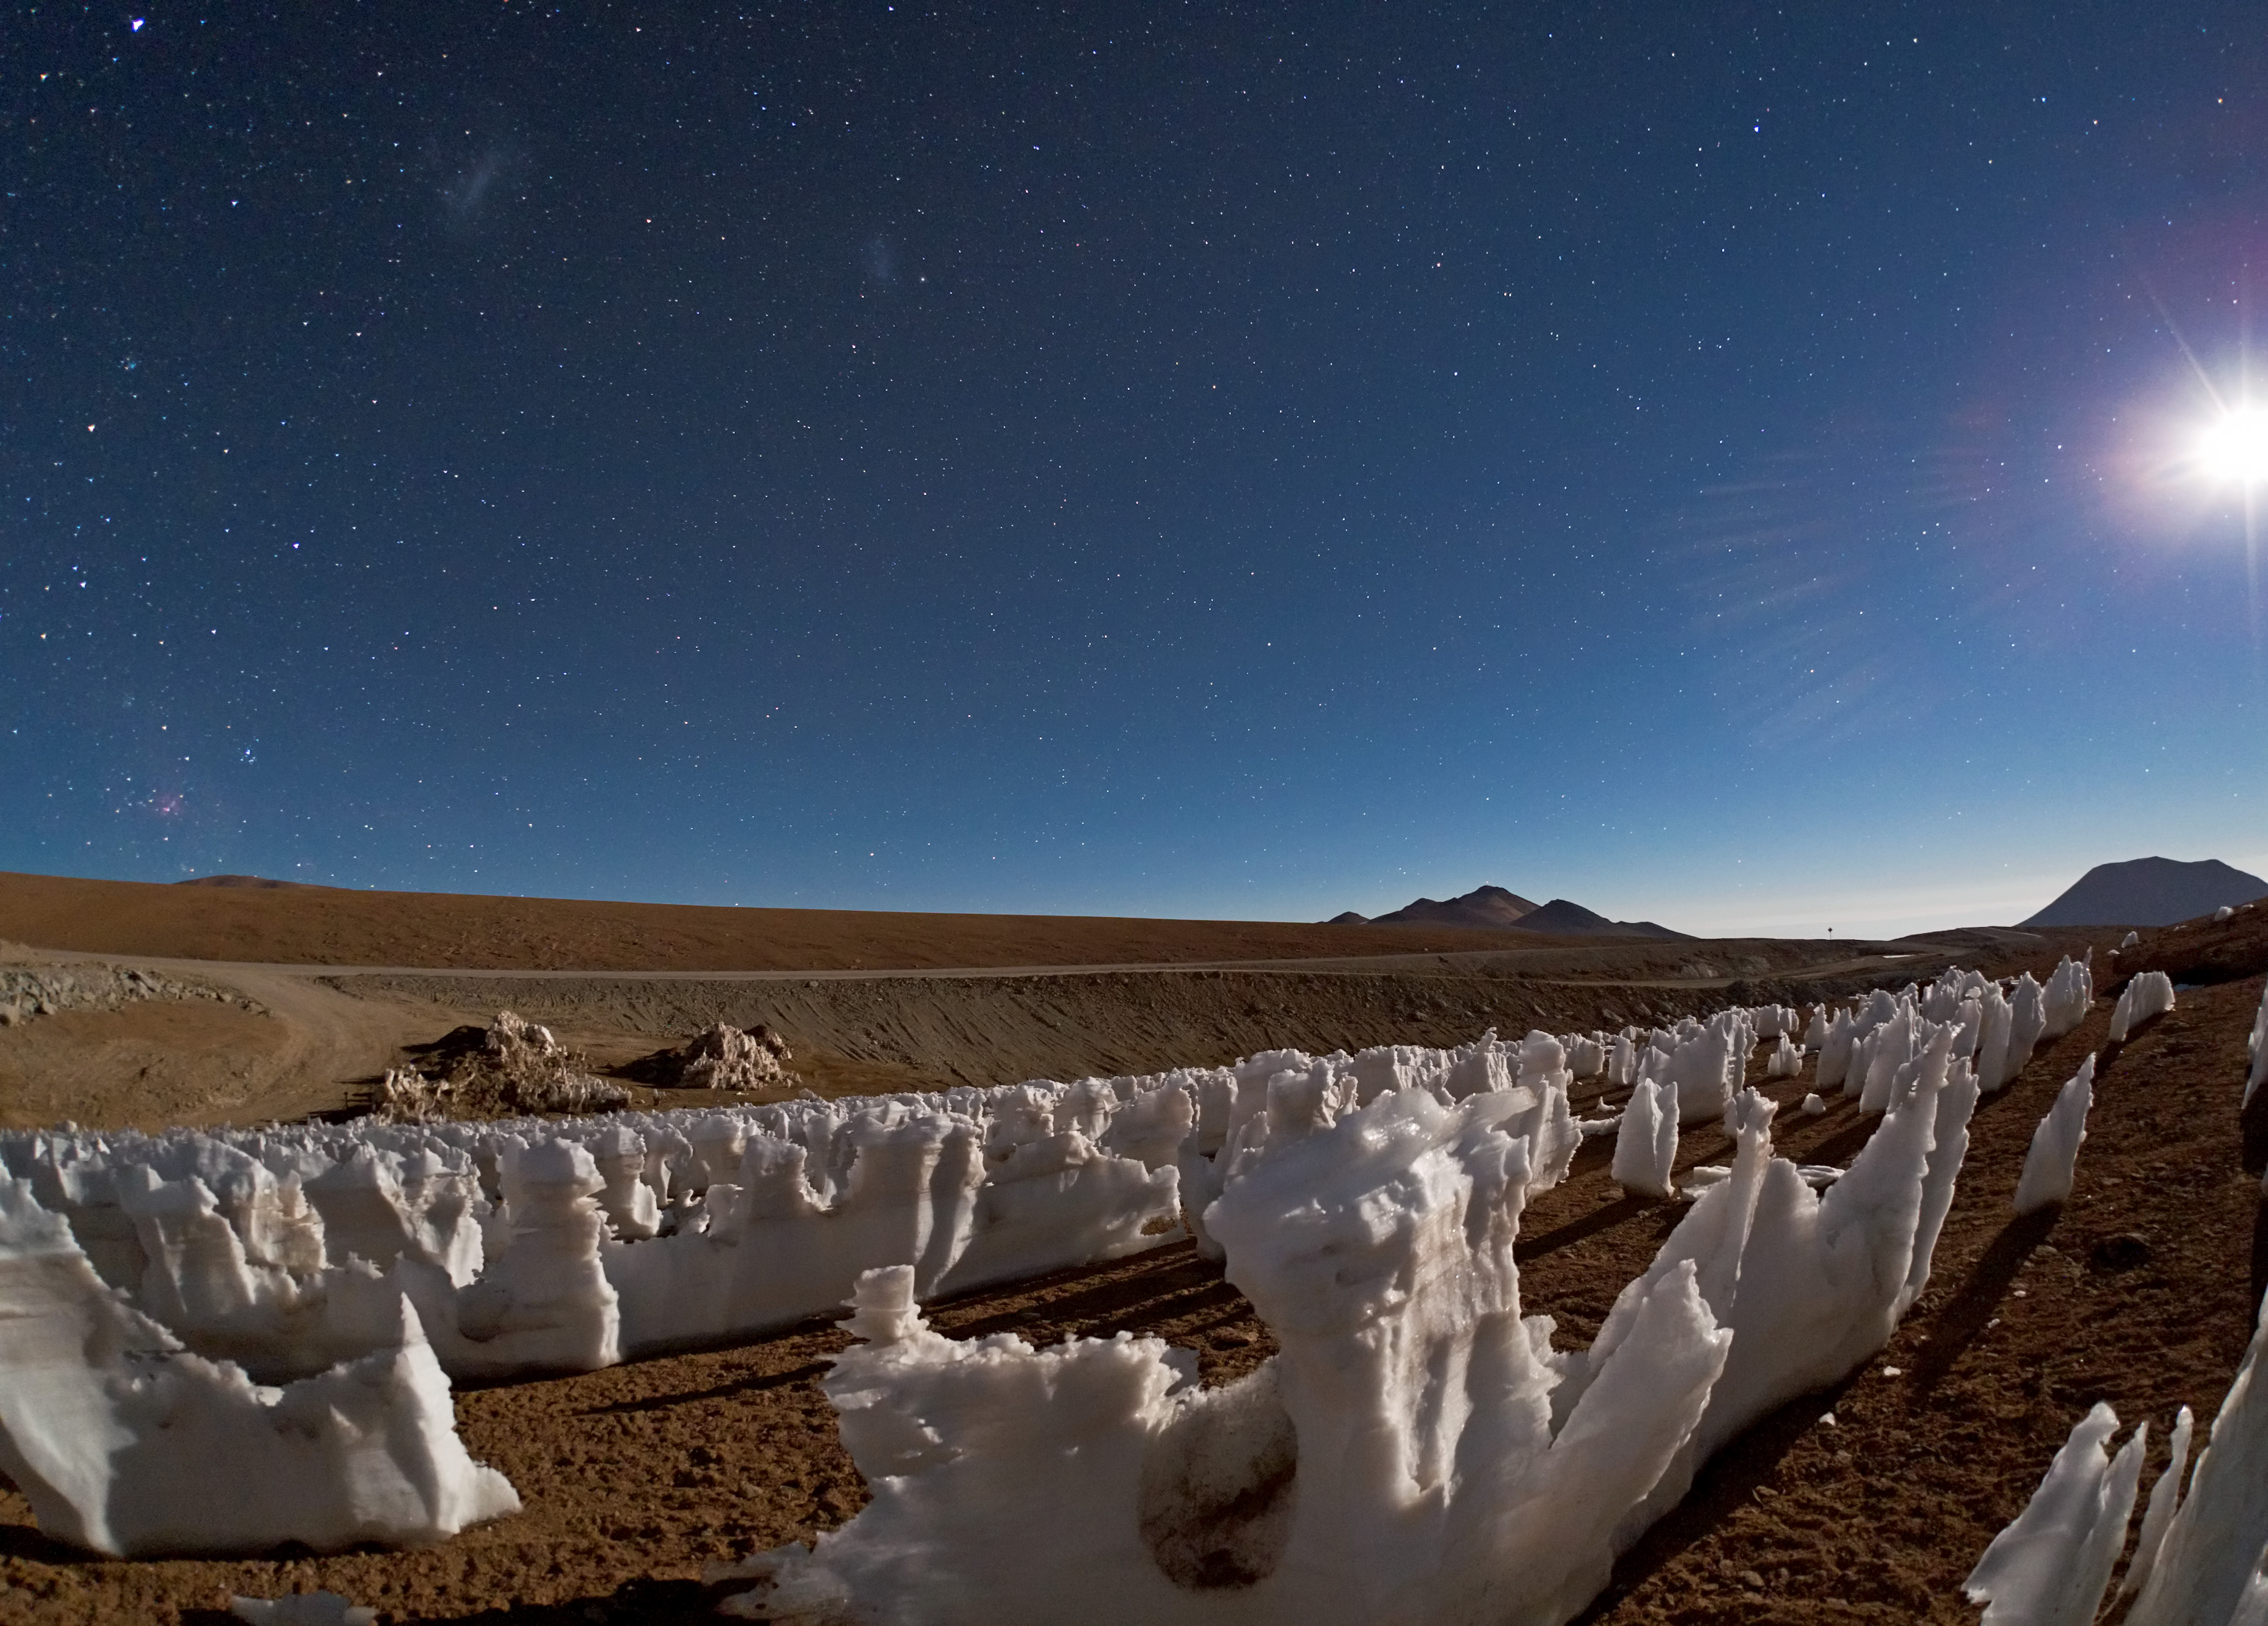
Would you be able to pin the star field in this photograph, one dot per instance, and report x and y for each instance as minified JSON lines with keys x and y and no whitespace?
{"x":1183,"y":460}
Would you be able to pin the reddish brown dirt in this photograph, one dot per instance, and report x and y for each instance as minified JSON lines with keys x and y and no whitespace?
{"x":324,"y":1038}
{"x":332,"y":926}
{"x":635,"y":1476}
{"x":177,"y":1060}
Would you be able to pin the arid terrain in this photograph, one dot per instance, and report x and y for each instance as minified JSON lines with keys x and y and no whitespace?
{"x":1868,"y":1502}
{"x":323,"y":989}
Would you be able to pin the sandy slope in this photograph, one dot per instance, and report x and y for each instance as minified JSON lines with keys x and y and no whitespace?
{"x":868,"y":1002}
{"x":332,"y":926}
{"x":320,"y":1037}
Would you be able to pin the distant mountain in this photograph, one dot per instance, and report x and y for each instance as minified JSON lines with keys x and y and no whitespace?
{"x":1565,"y":919}
{"x":2150,"y":892}
{"x":1490,"y":908}
{"x":1348,"y":917}
{"x":256,"y":882}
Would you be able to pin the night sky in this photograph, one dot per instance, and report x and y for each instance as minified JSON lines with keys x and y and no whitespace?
{"x":1729,"y":464}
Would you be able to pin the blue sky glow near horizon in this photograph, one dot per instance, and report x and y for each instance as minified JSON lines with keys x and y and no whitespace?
{"x":1736,"y":469}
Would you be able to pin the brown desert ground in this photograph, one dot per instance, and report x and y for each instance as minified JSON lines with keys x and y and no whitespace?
{"x":334,"y":926}
{"x":1866,"y":1503}
{"x":326,"y":989}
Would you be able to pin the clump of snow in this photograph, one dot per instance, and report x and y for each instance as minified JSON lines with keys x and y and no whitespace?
{"x":2165,"y":1501}
{"x":407,"y":1096}
{"x":1464,"y":1470}
{"x":1380,"y":1248}
{"x":2225,"y":912}
{"x":2130,"y":939}
{"x":118,"y":1438}
{"x":2070,"y":991}
{"x":2207,"y":1568}
{"x":1813,"y":1284}
{"x":763,"y":1250}
{"x":2053,"y":1160}
{"x":2255,"y":1047}
{"x":546,"y":1303}
{"x":2027,"y":1024}
{"x":510,"y":1067}
{"x":721,"y":1057}
{"x":529,"y":1245}
{"x":631,"y":1201}
{"x":2148,"y":996}
{"x":2201,"y":1558}
{"x":1813,"y":1106}
{"x":2052,"y":1565}
{"x":1996,"y":1021}
{"x":1646,"y":1142}
{"x":1835,"y":1048}
{"x":1776,"y":1021}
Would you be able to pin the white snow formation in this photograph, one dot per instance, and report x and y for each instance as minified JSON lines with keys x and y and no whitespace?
{"x":2207,"y":1568}
{"x":722,"y":1056}
{"x":2165,"y":1497}
{"x":2130,"y":939}
{"x":1457,"y":1467}
{"x":2255,"y":1047}
{"x":1867,"y":1051}
{"x":1862,"y":1049}
{"x":1645,"y":1144}
{"x":2148,"y":996}
{"x":2052,"y":1565}
{"x":2201,"y":1558}
{"x":518,"y":1066}
{"x":2052,"y":1160}
{"x":2227,"y":911}
{"x":122,"y":1441}
{"x":528,"y":1245}
{"x":487,"y":1249}
{"x":2027,"y":1023}
{"x":2070,"y":991}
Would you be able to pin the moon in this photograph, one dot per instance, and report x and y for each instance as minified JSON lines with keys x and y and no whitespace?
{"x":2234,"y":448}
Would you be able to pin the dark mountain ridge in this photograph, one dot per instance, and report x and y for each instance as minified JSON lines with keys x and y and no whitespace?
{"x":2150,"y":892}
{"x":1493,"y":908}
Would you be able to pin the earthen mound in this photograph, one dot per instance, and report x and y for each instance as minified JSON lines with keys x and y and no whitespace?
{"x":721,"y":1057}
{"x":510,"y":1068}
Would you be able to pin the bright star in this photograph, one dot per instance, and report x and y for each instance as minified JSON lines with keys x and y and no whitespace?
{"x":2234,"y":448}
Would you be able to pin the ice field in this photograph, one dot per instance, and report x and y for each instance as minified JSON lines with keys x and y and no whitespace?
{"x":1420,"y":1448}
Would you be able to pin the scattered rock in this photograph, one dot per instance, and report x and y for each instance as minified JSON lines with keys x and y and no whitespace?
{"x":42,"y":990}
{"x":2126,"y":1251}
